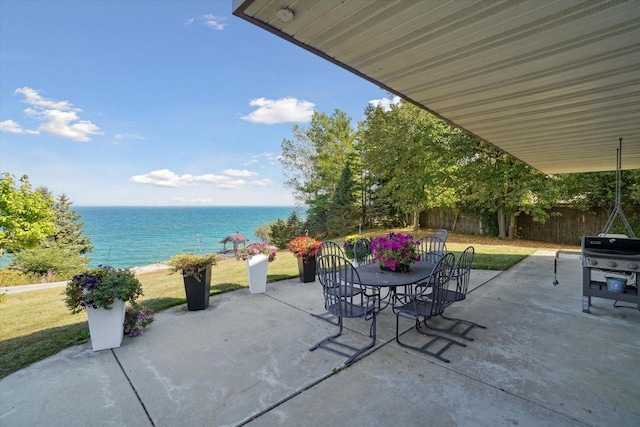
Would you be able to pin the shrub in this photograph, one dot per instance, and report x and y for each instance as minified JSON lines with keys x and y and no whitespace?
{"x":51,"y":262}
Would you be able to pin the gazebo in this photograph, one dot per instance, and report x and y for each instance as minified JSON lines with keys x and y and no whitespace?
{"x":236,"y":239}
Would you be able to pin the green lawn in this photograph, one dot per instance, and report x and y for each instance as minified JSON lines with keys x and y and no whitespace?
{"x":37,"y":324}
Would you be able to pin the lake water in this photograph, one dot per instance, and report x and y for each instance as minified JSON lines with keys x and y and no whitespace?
{"x":136,"y":236}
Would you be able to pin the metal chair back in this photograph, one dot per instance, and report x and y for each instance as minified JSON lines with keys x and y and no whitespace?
{"x":432,"y":248}
{"x":362,"y":252}
{"x":461,"y":274}
{"x":441,"y":234}
{"x":327,"y":247}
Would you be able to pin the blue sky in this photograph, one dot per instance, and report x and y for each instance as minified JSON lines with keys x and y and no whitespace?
{"x":157,"y":102}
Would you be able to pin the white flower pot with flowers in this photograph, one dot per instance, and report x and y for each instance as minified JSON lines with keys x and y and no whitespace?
{"x":103,"y":292}
{"x":106,"y":327}
{"x":258,"y":256}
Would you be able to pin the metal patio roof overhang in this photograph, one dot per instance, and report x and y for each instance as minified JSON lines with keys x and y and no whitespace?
{"x":554,"y":83}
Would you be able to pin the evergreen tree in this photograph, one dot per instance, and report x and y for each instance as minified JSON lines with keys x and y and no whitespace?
{"x":342,"y":215}
{"x":61,"y":254}
{"x":70,"y":233}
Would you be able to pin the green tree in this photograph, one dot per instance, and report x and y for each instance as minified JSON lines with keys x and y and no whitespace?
{"x":342,"y":215}
{"x":69,"y":234}
{"x":312,"y":162}
{"x":282,"y":232}
{"x":491,"y":180}
{"x":61,"y":254}
{"x":596,"y":191}
{"x":26,"y":217}
{"x":405,"y":154}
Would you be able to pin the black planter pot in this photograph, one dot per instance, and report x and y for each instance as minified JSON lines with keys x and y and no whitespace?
{"x":307,"y":269}
{"x":198,"y":290}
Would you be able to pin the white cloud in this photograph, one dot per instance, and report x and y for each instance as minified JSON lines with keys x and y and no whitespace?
{"x":120,"y":136}
{"x":385,"y":103}
{"x":212,"y":21}
{"x":232,"y":185}
{"x":209,"y":20}
{"x":280,"y":111}
{"x":167,"y":178}
{"x":250,"y":162}
{"x":238,"y":173}
{"x":13,"y":127}
{"x":262,"y":182}
{"x":32,"y":97}
{"x":195,"y":200}
{"x":59,"y":117}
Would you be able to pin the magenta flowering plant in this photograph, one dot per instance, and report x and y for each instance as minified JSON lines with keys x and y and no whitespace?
{"x":395,"y":251}
{"x":257,"y":248}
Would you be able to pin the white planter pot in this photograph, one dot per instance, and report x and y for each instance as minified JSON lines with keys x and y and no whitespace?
{"x":257,"y":268}
{"x":106,"y":326}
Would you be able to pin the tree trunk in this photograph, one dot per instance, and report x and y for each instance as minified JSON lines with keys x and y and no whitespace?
{"x":502,"y":224}
{"x":512,"y":226}
{"x":416,"y":220}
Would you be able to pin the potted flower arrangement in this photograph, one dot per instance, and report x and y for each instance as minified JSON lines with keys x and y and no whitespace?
{"x":395,"y":251}
{"x":305,"y":249}
{"x":196,"y":274}
{"x":258,"y":255}
{"x":136,"y":318}
{"x":103,"y":292}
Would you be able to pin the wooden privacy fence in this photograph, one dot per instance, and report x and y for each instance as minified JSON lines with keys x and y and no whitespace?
{"x":568,"y":227}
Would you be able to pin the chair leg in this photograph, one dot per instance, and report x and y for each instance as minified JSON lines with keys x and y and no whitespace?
{"x":451,"y":329}
{"x":351,"y":356}
{"x":363,"y":349}
{"x":327,"y":317}
{"x":423,"y":348}
{"x":329,"y":338}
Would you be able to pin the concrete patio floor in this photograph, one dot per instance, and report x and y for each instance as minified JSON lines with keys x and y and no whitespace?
{"x":245,"y":361}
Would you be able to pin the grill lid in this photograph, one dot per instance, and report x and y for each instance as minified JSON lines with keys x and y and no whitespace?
{"x":610,"y":246}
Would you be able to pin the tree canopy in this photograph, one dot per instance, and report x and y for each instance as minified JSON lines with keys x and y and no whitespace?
{"x":26,"y":217}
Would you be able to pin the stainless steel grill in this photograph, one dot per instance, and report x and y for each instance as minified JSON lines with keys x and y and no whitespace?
{"x":610,"y":255}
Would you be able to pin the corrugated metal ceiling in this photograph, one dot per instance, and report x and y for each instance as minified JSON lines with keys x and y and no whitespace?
{"x":554,"y":83}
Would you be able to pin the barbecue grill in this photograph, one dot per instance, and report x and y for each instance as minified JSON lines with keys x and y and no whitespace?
{"x":603,"y":256}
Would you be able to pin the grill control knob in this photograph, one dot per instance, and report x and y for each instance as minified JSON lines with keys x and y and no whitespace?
{"x":593,"y":261}
{"x":612,"y":264}
{"x":632,"y":266}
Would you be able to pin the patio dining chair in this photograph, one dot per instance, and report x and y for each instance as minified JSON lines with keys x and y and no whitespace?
{"x":424,"y":301}
{"x":432,"y":248}
{"x":441,"y":234}
{"x":460,"y":278}
{"x":345,"y":298}
{"x":328,"y":247}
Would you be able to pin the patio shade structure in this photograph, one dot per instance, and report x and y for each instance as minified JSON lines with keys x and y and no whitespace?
{"x":553,"y":83}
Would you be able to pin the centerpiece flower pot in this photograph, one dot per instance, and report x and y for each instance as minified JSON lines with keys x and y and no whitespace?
{"x":401,"y":268}
{"x":198,"y":288}
{"x":106,"y":326}
{"x":307,"y":269}
{"x":257,"y":269}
